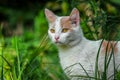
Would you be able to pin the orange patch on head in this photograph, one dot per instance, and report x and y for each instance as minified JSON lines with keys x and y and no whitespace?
{"x":66,"y":23}
{"x":108,"y":46}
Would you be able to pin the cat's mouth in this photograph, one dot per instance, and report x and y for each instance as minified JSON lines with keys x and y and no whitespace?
{"x":58,"y":43}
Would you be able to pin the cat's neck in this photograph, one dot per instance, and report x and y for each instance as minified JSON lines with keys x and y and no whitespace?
{"x":78,"y":42}
{"x":67,"y":51}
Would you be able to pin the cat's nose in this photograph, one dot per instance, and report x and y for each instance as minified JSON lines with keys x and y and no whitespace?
{"x":56,"y":38}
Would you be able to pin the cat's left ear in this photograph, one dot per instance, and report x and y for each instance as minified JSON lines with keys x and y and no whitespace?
{"x":74,"y":17}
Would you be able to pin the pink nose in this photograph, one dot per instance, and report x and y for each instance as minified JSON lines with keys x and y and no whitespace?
{"x":56,"y":38}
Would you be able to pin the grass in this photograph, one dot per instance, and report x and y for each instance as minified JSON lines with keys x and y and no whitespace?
{"x":21,"y":63}
{"x":32,"y":56}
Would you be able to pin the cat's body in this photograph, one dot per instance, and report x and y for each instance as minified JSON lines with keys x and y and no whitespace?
{"x":78,"y":55}
{"x":84,"y":55}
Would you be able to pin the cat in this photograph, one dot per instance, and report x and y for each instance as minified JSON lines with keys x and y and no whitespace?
{"x":78,"y":55}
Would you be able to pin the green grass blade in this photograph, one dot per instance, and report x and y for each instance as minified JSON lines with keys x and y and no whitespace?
{"x":84,"y":70}
{"x":6,"y":61}
{"x":2,"y":74}
{"x":104,"y":76}
{"x":18,"y":66}
{"x":97,"y":57}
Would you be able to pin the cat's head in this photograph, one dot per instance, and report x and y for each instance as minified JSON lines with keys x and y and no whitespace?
{"x":64,"y":30}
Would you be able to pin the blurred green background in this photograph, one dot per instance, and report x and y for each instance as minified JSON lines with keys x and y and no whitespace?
{"x":26,"y":52}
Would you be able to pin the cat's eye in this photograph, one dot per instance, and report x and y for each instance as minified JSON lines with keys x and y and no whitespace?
{"x":65,"y":30}
{"x":52,"y":30}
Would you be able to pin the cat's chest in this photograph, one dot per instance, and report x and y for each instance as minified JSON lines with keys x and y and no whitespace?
{"x":75,"y":56}
{"x":76,"y":61}
{"x":68,"y":60}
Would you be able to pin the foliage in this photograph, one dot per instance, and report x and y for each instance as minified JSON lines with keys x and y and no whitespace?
{"x":31,"y":56}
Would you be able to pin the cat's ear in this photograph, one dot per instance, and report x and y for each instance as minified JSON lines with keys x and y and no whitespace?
{"x":51,"y":17}
{"x":74,"y":16}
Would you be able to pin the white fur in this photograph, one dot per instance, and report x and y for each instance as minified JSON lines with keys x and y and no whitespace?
{"x":80,"y":53}
{"x":85,"y":53}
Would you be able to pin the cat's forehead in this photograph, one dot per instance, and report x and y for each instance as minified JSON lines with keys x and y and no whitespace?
{"x":64,"y":19}
{"x":56,"y":23}
{"x":63,"y":22}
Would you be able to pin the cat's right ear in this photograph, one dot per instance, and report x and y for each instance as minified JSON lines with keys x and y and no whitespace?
{"x":51,"y":17}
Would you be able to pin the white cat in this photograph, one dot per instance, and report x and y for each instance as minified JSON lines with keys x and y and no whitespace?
{"x":78,"y":55}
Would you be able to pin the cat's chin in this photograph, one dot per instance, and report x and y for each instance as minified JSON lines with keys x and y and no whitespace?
{"x":58,"y":43}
